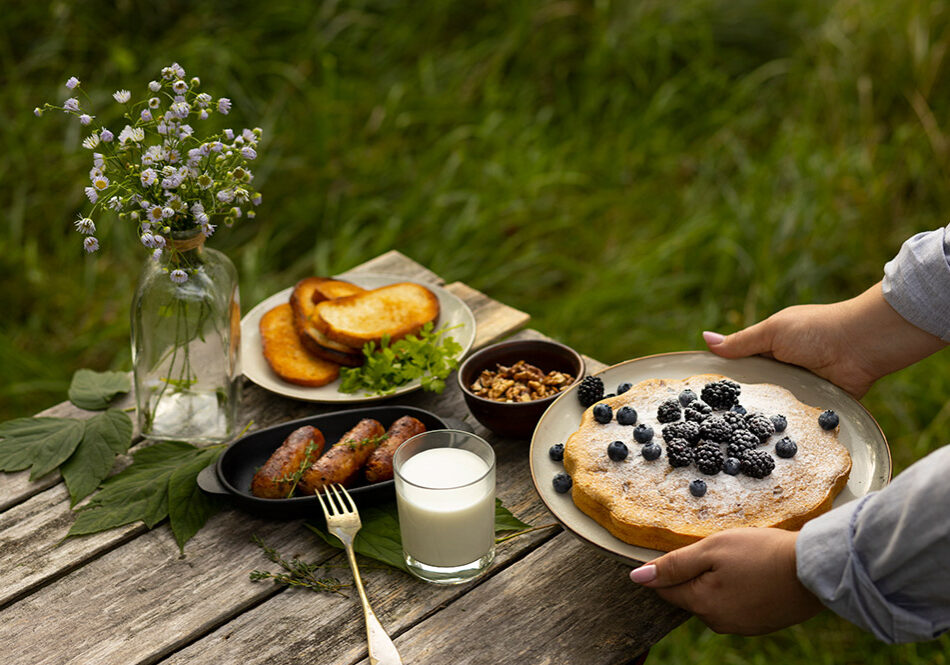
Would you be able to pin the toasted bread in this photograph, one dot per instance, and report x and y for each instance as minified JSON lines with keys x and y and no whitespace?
{"x":396,"y":310}
{"x":286,"y":355}
{"x":306,"y":293}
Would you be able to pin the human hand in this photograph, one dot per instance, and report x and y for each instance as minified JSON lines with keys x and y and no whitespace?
{"x":740,"y":581}
{"x":851,"y":343}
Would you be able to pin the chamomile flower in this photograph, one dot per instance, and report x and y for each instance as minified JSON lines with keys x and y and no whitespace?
{"x":72,"y":82}
{"x":71,"y":104}
{"x":178,"y":276}
{"x":228,"y":134}
{"x":155,"y":213}
{"x":207,"y":229}
{"x":248,"y":152}
{"x":203,"y":99}
{"x":91,"y":194}
{"x":134,"y":134}
{"x":115,"y":203}
{"x":148,"y":239}
{"x":106,"y":136}
{"x":224,"y":105}
{"x":180,"y":110}
{"x":154,"y":102}
{"x":98,"y":160}
{"x":85,"y":226}
{"x":122,"y":96}
{"x":226,"y":195}
{"x":85,"y":119}
{"x":90,"y":244}
{"x":167,"y":212}
{"x":159,"y":240}
{"x":90,"y":141}
{"x":148,"y":177}
{"x":235,"y":212}
{"x":146,"y":115}
{"x":100,"y":183}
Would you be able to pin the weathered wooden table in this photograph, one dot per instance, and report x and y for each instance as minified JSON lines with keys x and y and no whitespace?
{"x":127,"y":597}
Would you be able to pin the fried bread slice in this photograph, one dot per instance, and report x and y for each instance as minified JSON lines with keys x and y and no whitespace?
{"x":286,"y":354}
{"x":309,"y":291}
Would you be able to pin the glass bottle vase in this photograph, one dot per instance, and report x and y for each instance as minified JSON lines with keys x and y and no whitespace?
{"x":186,"y":345}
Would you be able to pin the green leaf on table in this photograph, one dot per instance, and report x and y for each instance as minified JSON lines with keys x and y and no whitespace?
{"x":189,"y":507}
{"x":95,"y":390}
{"x":105,"y":435}
{"x":505,"y":520}
{"x":40,"y":443}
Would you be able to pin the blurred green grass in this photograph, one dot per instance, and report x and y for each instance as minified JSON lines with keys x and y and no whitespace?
{"x":630,"y":173}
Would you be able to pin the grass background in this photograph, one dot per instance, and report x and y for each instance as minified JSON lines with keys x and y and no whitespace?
{"x":630,"y":173}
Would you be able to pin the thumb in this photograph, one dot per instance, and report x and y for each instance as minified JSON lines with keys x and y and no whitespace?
{"x":749,"y":341}
{"x":674,"y":568}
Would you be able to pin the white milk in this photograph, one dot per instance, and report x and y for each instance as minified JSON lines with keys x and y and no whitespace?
{"x":446,"y":527}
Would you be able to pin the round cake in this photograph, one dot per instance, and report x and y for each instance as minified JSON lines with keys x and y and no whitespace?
{"x":658,"y":503}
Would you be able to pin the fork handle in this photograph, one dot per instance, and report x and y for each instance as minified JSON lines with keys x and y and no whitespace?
{"x":382,"y":651}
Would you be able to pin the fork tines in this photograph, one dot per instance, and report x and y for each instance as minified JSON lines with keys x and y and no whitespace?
{"x":334,"y":497}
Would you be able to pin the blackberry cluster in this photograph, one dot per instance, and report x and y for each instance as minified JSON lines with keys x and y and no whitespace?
{"x":760,"y":425}
{"x":741,"y":441}
{"x":682,"y":430}
{"x":679,"y":453}
{"x":715,"y":429}
{"x":734,"y":419}
{"x":708,"y":458}
{"x":721,"y":394}
{"x":669,"y":411}
{"x":756,"y":463}
{"x":590,"y":390}
{"x":697,"y":411}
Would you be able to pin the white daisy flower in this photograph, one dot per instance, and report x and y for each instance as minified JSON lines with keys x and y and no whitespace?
{"x":71,"y":104}
{"x":91,"y":194}
{"x":185,"y":131}
{"x":156,"y":255}
{"x":154,"y":102}
{"x":248,"y":153}
{"x":224,"y":105}
{"x":148,"y":239}
{"x":226,"y":195}
{"x":122,"y":96}
{"x":203,"y":99}
{"x":98,"y":160}
{"x":90,"y":141}
{"x":195,"y":81}
{"x":180,"y":87}
{"x":72,"y":82}
{"x":115,"y":203}
{"x":85,"y":226}
{"x":134,"y":134}
{"x":235,"y":212}
{"x":178,"y":276}
{"x":159,"y":240}
{"x":100,"y":183}
{"x":203,"y":114}
{"x":207,"y":229}
{"x":90,"y":244}
{"x":85,"y":119}
{"x":148,"y":177}
{"x":256,"y":200}
{"x":155,"y":213}
{"x":251,"y":214}
{"x":146,"y":115}
{"x":106,"y":136}
{"x":167,"y":212}
{"x":180,"y":110}
{"x":37,"y":111}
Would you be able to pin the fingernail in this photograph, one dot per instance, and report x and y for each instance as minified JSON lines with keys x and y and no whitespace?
{"x":713,"y":338}
{"x":643,"y":574}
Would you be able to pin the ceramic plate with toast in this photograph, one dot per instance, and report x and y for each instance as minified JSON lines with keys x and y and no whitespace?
{"x":859,"y":433}
{"x":452,"y":312}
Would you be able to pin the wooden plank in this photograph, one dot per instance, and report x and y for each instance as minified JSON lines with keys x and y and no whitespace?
{"x":394,"y":262}
{"x":495,"y":320}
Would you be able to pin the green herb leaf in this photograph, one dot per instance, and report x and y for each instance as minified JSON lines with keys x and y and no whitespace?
{"x":40,"y":443}
{"x":188,"y":507}
{"x":95,"y":390}
{"x":505,"y":520}
{"x":104,"y":436}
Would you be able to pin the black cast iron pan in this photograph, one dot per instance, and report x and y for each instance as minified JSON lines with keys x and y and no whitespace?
{"x":231,"y":475}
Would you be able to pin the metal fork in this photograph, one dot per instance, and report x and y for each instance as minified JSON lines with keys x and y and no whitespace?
{"x":343,"y":521}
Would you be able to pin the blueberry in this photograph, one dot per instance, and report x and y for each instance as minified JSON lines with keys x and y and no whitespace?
{"x":627,"y":415}
{"x":610,"y":395}
{"x":786,"y":448}
{"x":642,"y":433}
{"x":624,"y":387}
{"x":779,"y":422}
{"x":697,"y":487}
{"x":731,"y":466}
{"x":562,"y":483}
{"x":651,"y":451}
{"x":557,"y":452}
{"x":738,"y":408}
{"x":828,"y":420}
{"x":617,"y":451}
{"x":687,"y":396}
{"x":603,"y":413}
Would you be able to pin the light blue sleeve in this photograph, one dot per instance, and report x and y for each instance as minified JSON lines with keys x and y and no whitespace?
{"x":917,"y":282}
{"x":883,"y":562}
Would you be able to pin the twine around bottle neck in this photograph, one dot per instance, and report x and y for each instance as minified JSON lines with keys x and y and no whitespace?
{"x":196,"y":241}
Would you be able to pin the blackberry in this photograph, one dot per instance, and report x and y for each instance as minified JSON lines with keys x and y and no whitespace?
{"x":617,"y":451}
{"x":779,"y":422}
{"x":603,"y":414}
{"x":715,"y":429}
{"x":643,"y":433}
{"x":669,"y":411}
{"x":682,"y":430}
{"x":556,"y":452}
{"x":624,"y":387}
{"x":734,"y":419}
{"x":721,"y":394}
{"x":731,"y":466}
{"x":590,"y":391}
{"x":708,"y":458}
{"x":756,"y":463}
{"x":627,"y":415}
{"x":738,"y":408}
{"x":687,"y":396}
{"x":562,"y":483}
{"x":651,"y":451}
{"x":761,"y":426}
{"x":697,"y":488}
{"x":697,"y":411}
{"x":679,"y":453}
{"x":741,"y":441}
{"x":786,"y":448}
{"x":828,"y":420}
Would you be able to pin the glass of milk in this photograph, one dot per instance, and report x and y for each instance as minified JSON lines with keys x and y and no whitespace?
{"x":445,"y":493}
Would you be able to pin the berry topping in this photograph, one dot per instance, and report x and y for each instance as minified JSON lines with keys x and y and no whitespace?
{"x":624,"y":387}
{"x":642,"y":433}
{"x":687,"y":396}
{"x":721,"y":394}
{"x":669,"y":411}
{"x":697,"y":488}
{"x":734,"y":419}
{"x":556,"y":452}
{"x":651,"y":451}
{"x":786,"y":448}
{"x":731,"y":466}
{"x":779,"y":422}
{"x":715,"y":428}
{"x":828,"y":420}
{"x":617,"y":451}
{"x":756,"y":463}
{"x":697,"y":411}
{"x":740,"y":441}
{"x":627,"y":415}
{"x":562,"y":483}
{"x":679,"y":453}
{"x":682,"y":430}
{"x":761,"y":426}
{"x":590,"y":391}
{"x":708,"y":458}
{"x":603,"y":414}
{"x":738,"y":408}
{"x":608,"y":395}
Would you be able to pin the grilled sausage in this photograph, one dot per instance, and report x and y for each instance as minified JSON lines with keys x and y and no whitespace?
{"x":380,"y":464}
{"x":342,"y":463}
{"x":274,"y":479}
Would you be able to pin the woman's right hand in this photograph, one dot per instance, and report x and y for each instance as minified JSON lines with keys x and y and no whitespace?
{"x":852,"y":343}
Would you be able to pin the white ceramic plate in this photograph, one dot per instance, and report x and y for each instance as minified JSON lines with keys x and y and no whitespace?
{"x":453,"y":312}
{"x":859,"y":432}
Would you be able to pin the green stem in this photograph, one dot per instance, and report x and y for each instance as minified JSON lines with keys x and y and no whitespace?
{"x":524,"y":531}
